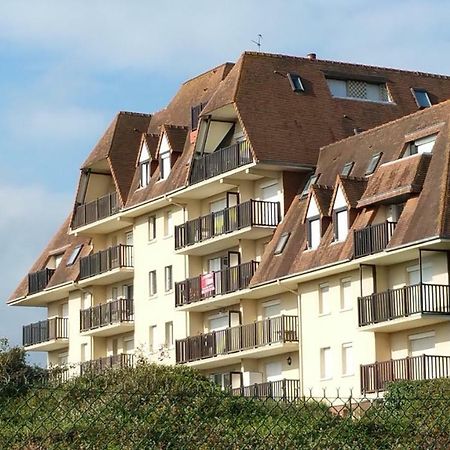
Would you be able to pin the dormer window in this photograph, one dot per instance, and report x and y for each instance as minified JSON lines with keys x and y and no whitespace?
{"x":340,"y":217}
{"x":74,"y":255}
{"x":281,"y":243}
{"x":373,"y":163}
{"x":296,"y":82}
{"x":347,"y":169}
{"x":144,"y":166}
{"x":313,"y":225}
{"x":422,"y":98}
{"x":422,"y":145}
{"x":359,"y":90}
{"x":312,"y":180}
{"x":164,"y":164}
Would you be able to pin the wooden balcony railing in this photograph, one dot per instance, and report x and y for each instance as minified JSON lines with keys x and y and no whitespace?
{"x":97,"y":209}
{"x":372,"y":239}
{"x":265,"y":332}
{"x":281,"y":389}
{"x":117,"y":311}
{"x":216,"y":283}
{"x":374,"y":377}
{"x":211,"y":164}
{"x":247,"y":214}
{"x":37,"y":281}
{"x":45,"y":330}
{"x":112,"y":258}
{"x":402,"y":302}
{"x":97,"y":366}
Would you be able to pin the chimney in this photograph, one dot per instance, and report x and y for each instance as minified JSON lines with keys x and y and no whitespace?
{"x":311,"y":56}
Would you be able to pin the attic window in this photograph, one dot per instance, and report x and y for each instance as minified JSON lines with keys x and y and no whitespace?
{"x":144,"y":170}
{"x":281,"y":243}
{"x":422,"y":98}
{"x":312,"y":180}
{"x":373,"y":163}
{"x":422,"y":145}
{"x":74,"y":255}
{"x":347,"y":168}
{"x":195,"y":114}
{"x":295,"y":82}
{"x":164,"y":164}
{"x":358,"y":89}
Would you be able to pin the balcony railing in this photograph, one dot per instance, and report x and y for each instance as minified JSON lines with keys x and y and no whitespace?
{"x":374,"y":377}
{"x":97,"y":209}
{"x":372,"y":239}
{"x":402,"y":302}
{"x":106,"y":260}
{"x":97,"y":366}
{"x":37,"y":281}
{"x":45,"y":330}
{"x":216,"y":283}
{"x":248,"y":214}
{"x":281,"y":389}
{"x":211,"y":164}
{"x":114,"y":312}
{"x":243,"y":337}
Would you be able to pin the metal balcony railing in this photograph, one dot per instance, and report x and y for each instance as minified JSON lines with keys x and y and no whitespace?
{"x":247,"y":214}
{"x":372,"y":239}
{"x":112,"y":258}
{"x":396,"y":303}
{"x":212,"y":284}
{"x":97,"y":209}
{"x":228,"y":158}
{"x":117,"y":311}
{"x":37,"y":281}
{"x":45,"y":330}
{"x":281,"y":389}
{"x":97,"y":366}
{"x":243,"y":337}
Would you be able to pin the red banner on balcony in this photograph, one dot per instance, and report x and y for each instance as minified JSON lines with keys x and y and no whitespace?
{"x":207,"y":283}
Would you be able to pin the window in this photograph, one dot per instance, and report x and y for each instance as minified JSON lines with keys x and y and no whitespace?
{"x":168,"y":224}
{"x":144,"y":171}
{"x":324,"y":299}
{"x":152,"y":289}
{"x":84,"y":353}
{"x":422,"y":98}
{"x":373,"y":163}
{"x":312,"y":180}
{"x":422,"y":343}
{"x":272,"y":309}
{"x":151,"y":228}
{"x":74,"y":255}
{"x":325,"y":363}
{"x":63,"y":359}
{"x":346,"y":294}
{"x":128,"y":346}
{"x":58,"y":258}
{"x":358,"y":89}
{"x":195,"y":113}
{"x":169,"y":334}
{"x":340,"y":224}
{"x":281,"y":243}
{"x":164,"y":165}
{"x":114,"y":293}
{"x":422,"y":145}
{"x":86,"y":300}
{"x":168,"y":278}
{"x":152,"y":339}
{"x":295,"y":82}
{"x":313,"y":232}
{"x":347,"y":359}
{"x":347,"y":169}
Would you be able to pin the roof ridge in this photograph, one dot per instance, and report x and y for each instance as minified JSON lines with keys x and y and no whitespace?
{"x":133,"y":113}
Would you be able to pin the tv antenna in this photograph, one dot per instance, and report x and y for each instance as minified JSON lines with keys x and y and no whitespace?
{"x":258,"y":42}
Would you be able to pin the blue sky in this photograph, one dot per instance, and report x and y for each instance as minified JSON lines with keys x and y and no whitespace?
{"x":66,"y":68}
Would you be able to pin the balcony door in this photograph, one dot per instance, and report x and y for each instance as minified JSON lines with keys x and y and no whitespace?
{"x":269,"y":193}
{"x":274,"y":371}
{"x":419,"y":345}
{"x":232,"y":219}
{"x":272,"y":326}
{"x":232,"y":274}
{"x":128,"y":254}
{"x":420,"y":297}
{"x":217,"y":210}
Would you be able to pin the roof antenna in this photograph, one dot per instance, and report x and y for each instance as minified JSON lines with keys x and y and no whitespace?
{"x":258,"y":42}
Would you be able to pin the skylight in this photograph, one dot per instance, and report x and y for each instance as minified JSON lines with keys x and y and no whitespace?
{"x":422,"y":98}
{"x":347,"y":168}
{"x":422,"y":145}
{"x":281,"y":243}
{"x":312,"y":180}
{"x":373,"y":163}
{"x":74,"y":255}
{"x":296,"y":82}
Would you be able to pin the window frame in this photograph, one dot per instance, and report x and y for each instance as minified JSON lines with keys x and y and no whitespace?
{"x":347,"y":169}
{"x":169,"y":340}
{"x":312,"y":180}
{"x":151,"y":228}
{"x":344,"y":360}
{"x":282,"y":242}
{"x":373,"y":163}
{"x":152,"y":283}
{"x":296,"y":87}
{"x":168,"y":278}
{"x":74,"y":255}
{"x":418,"y":102}
{"x":144,"y":176}
{"x":343,"y":306}
{"x":309,"y":236}
{"x":162,"y":172}
{"x":336,"y":212}
{"x":326,"y":374}
{"x":323,"y":312}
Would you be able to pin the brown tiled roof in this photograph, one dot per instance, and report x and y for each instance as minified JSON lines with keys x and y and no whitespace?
{"x":353,"y":189}
{"x":413,"y":224}
{"x":61,"y":242}
{"x":151,"y":139}
{"x":176,"y":135}
{"x":323,"y":195}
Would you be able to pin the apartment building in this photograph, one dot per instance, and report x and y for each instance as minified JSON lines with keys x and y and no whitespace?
{"x":170,"y":251}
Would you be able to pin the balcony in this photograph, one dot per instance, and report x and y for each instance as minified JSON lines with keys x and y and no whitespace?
{"x":372,"y":239}
{"x":100,"y":365}
{"x":407,"y":307}
{"x":375,"y":377}
{"x":108,"y":319}
{"x":46,"y":335}
{"x":223,"y":160}
{"x":208,"y":286}
{"x":263,"y":338}
{"x":253,"y":219}
{"x":107,"y":266}
{"x":37,"y":281}
{"x":278,"y":390}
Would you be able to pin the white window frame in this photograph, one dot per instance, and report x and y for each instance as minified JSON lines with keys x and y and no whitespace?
{"x":168,"y":278}
{"x":168,"y":334}
{"x":152,"y":348}
{"x":168,"y":224}
{"x":345,"y":307}
{"x":345,"y":363}
{"x":165,"y":165}
{"x":144,"y":173}
{"x":326,"y":373}
{"x":151,"y":228}
{"x":323,"y":312}
{"x":152,"y":283}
